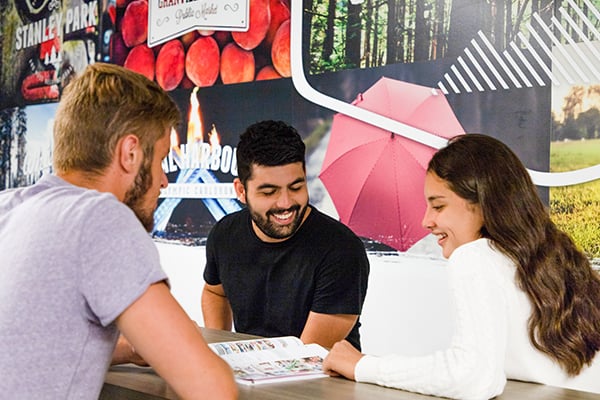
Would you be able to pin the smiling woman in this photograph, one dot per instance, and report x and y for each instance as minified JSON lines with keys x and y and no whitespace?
{"x":454,"y":220}
{"x":526,"y":300}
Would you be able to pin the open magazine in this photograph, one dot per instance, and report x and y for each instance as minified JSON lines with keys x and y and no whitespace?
{"x":265,"y":360}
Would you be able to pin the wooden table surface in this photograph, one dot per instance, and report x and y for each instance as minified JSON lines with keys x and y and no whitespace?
{"x":133,"y":383}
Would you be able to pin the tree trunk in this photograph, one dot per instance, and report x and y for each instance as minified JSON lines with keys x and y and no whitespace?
{"x":20,"y":133}
{"x":370,"y":33}
{"x":375,"y":55}
{"x":410,"y":34}
{"x":508,"y":24}
{"x":393,"y":48}
{"x":353,"y":35}
{"x":439,"y":35}
{"x":421,"y":33}
{"x":499,"y":18}
{"x":466,"y":19}
{"x":5,"y":146}
{"x":327,"y":49}
{"x":306,"y":32}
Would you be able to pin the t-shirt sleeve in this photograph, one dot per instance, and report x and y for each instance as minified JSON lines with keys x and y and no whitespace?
{"x":341,"y":280}
{"x":119,"y":260}
{"x":211,"y":269}
{"x":472,"y":367}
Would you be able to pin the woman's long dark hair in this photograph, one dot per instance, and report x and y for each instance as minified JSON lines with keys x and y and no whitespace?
{"x":557,"y":277}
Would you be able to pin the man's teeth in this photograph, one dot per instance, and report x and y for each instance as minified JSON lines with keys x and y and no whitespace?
{"x":283,"y":215}
{"x":442,"y":235}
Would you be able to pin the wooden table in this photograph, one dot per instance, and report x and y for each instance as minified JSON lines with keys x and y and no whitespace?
{"x":132,"y":383}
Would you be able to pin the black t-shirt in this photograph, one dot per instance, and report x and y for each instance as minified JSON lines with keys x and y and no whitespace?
{"x":272,"y":287}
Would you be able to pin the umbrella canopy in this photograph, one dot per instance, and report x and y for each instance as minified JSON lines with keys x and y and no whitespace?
{"x":375,"y":177}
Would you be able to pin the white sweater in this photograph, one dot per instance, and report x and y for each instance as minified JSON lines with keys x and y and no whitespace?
{"x":490,"y":342}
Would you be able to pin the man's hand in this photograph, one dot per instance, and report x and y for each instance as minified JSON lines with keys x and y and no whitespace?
{"x":125,"y":353}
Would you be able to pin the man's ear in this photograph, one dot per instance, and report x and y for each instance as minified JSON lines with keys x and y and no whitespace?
{"x":129,"y":153}
{"x":240,"y":191}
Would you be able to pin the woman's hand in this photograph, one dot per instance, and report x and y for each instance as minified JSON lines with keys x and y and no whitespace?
{"x":341,"y":360}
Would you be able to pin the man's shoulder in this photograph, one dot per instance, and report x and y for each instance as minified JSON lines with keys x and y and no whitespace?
{"x":338,"y":235}
{"x":326,"y":222}
{"x":56,"y":194}
{"x":92,"y":201}
{"x":12,"y":197}
{"x":230,"y":221}
{"x":88,"y":207}
{"x":233,"y":217}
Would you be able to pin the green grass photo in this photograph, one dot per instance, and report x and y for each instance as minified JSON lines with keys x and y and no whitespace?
{"x":576,"y":208}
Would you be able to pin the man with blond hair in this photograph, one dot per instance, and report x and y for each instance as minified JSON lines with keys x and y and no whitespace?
{"x":78,"y":266}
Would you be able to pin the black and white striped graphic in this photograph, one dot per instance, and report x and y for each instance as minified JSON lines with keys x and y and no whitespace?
{"x":540,"y":60}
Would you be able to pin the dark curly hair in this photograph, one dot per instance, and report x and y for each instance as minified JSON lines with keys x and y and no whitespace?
{"x":268,"y":143}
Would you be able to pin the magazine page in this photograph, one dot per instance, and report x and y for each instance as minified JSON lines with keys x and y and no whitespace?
{"x":272,"y":359}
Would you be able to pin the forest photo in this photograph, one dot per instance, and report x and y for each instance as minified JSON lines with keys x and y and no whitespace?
{"x":371,"y":33}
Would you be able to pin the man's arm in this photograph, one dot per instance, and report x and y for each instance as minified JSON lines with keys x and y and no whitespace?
{"x":327,"y":329}
{"x":162,"y":333}
{"x":216,"y":310}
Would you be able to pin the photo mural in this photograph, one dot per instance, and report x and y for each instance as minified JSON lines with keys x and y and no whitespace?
{"x":399,"y":77}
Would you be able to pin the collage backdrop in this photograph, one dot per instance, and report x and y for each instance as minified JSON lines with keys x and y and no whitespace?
{"x":377,"y":72}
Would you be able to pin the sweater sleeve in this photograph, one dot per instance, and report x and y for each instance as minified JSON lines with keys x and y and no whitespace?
{"x":472,"y":367}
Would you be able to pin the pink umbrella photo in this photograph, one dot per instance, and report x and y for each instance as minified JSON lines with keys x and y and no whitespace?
{"x":375,"y":177}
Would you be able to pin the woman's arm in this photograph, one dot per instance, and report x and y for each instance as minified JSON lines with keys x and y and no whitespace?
{"x":472,"y":366}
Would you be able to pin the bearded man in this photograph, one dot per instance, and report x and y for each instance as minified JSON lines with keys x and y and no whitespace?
{"x":279,"y":266}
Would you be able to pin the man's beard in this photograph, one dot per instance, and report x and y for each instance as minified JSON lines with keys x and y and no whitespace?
{"x":134,"y":198}
{"x":273,"y":230}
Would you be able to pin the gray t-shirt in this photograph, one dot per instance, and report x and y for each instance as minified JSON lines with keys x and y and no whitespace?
{"x":71,"y":261}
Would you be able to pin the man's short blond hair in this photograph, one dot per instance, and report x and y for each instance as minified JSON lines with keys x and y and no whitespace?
{"x":102,"y":105}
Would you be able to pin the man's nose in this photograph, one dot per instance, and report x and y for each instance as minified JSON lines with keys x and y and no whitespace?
{"x":285,"y":199}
